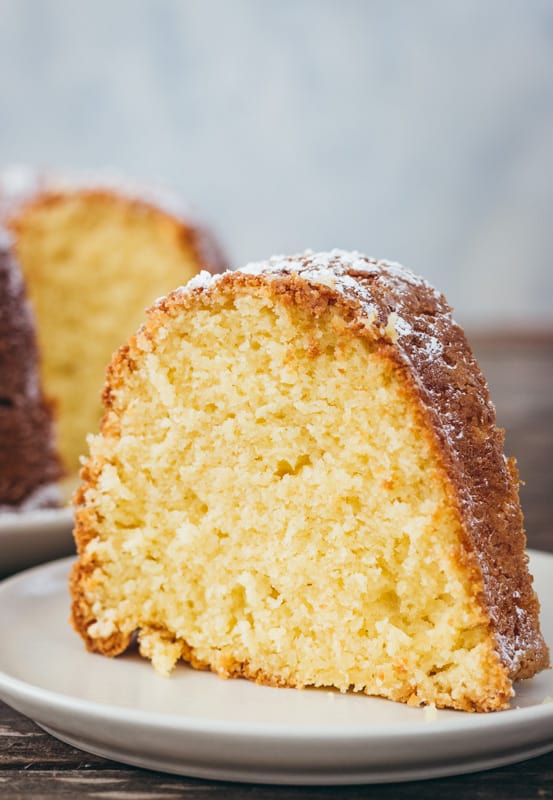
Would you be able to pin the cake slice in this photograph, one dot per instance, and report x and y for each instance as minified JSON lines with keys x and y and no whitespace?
{"x":94,"y":253}
{"x":29,"y":465}
{"x":299,"y":481}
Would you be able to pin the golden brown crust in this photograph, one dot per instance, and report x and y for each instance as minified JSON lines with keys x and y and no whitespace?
{"x":194,"y":237}
{"x":436,"y":360}
{"x":229,"y":668}
{"x":82,"y":616}
{"x":410,"y":325}
{"x":454,"y":395}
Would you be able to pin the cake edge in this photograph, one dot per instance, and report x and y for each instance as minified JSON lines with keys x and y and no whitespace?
{"x":371,"y":313}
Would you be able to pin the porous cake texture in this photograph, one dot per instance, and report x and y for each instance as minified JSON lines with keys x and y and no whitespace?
{"x":93,"y":255}
{"x":299,"y":480}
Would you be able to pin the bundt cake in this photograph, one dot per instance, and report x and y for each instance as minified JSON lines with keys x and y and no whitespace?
{"x":29,"y":466}
{"x":93,"y":256}
{"x":298,"y":480}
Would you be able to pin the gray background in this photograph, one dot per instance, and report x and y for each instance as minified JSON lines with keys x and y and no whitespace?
{"x":417,"y":131}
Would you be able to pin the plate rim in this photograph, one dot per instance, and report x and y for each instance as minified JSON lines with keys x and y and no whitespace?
{"x":9,"y":520}
{"x":306,"y":777}
{"x":33,"y":537}
{"x":49,"y":698}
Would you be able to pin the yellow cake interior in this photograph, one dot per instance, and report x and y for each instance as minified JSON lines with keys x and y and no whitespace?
{"x":92,"y":263}
{"x":268,"y":504}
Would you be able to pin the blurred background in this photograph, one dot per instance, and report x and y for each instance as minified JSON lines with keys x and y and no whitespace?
{"x":419,"y":132}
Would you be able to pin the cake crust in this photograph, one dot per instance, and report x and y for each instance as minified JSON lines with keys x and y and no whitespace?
{"x":29,"y":466}
{"x":411,"y":327}
{"x":193,"y":235}
{"x":72,"y":237}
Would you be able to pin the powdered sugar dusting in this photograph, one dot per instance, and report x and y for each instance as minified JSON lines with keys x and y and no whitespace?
{"x":343,"y":272}
{"x":433,"y":346}
{"x":403,"y":327}
{"x":350,"y":274}
{"x":200,"y":281}
{"x":338,"y":262}
{"x":338,"y":269}
{"x":396,"y":306}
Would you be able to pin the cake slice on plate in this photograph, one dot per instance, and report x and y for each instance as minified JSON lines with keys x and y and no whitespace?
{"x":94,"y":252}
{"x":299,"y":480}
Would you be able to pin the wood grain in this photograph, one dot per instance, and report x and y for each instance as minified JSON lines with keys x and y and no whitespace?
{"x":35,"y":765}
{"x":520,"y":376}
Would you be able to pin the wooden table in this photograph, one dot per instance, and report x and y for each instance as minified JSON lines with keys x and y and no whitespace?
{"x":520,"y":373}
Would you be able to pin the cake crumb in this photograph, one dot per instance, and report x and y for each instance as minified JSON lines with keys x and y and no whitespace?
{"x":430,"y":713}
{"x":391,"y":330}
{"x":289,"y":510}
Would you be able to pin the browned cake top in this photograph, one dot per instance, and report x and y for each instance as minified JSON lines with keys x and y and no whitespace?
{"x":413,"y":323}
{"x":28,"y":464}
{"x":22,"y":187}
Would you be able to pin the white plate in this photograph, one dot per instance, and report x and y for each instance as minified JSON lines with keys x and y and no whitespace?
{"x":196,"y":724}
{"x":31,"y":537}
